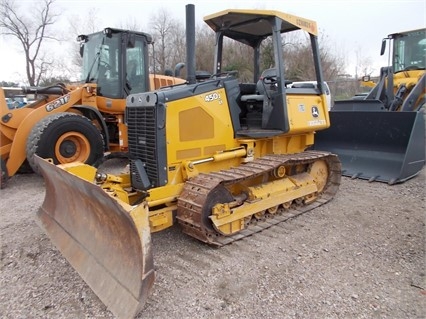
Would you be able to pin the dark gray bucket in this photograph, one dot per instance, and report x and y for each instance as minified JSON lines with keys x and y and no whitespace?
{"x":376,"y":145}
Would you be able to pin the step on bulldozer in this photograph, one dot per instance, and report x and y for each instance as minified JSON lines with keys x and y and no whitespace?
{"x":222,"y":159}
{"x":382,"y":137}
{"x":80,"y":122}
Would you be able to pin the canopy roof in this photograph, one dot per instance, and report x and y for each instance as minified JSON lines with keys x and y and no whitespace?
{"x":250,"y":26}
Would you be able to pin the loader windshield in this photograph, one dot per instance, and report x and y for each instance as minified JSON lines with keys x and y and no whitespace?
{"x":410,"y":50}
{"x":117,"y":61}
{"x":101,"y":63}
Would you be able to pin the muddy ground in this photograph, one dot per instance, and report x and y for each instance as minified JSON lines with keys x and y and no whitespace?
{"x":360,"y":256}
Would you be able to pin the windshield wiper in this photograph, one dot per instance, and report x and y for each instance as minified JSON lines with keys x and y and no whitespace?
{"x":88,"y":79}
{"x":97,"y":56}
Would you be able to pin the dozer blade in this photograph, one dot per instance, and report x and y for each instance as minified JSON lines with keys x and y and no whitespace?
{"x":376,"y":145}
{"x":107,"y":242}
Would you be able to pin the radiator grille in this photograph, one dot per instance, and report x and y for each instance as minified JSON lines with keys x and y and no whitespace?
{"x":141,"y":123}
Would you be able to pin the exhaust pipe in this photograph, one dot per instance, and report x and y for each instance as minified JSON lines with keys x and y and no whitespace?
{"x":178,"y":68}
{"x":190,"y":43}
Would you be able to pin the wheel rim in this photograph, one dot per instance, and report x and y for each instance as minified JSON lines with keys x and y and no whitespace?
{"x":287,"y":205}
{"x":272,"y":210}
{"x":319,"y":172}
{"x":260,"y":215}
{"x":72,"y":147}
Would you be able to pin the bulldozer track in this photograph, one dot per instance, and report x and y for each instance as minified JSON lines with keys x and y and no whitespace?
{"x":195,"y":193}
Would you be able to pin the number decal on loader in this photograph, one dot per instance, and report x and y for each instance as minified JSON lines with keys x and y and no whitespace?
{"x":57,"y":103}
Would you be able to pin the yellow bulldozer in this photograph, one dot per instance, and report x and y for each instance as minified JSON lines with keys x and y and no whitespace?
{"x":382,"y":136}
{"x":222,"y":159}
{"x":83,"y":121}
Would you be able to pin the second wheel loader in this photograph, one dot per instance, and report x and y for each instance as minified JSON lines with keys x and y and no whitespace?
{"x":382,"y":136}
{"x":220,"y":158}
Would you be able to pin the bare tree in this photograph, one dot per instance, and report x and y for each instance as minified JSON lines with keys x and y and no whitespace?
{"x":31,"y":31}
{"x":267,"y":54}
{"x":238,"y":57}
{"x":364,"y":64}
{"x":131,"y":24}
{"x":81,"y":24}
{"x":178,"y":41}
{"x":204,"y":49}
{"x":164,"y":30}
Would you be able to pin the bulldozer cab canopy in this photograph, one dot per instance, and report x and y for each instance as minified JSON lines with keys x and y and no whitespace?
{"x":252,"y":26}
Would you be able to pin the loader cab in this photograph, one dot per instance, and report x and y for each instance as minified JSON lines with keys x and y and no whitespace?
{"x":117,"y":60}
{"x":267,"y":106}
{"x":401,"y":84}
{"x":408,"y":50}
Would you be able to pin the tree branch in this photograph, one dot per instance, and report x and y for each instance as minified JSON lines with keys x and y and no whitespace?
{"x":30,"y":31}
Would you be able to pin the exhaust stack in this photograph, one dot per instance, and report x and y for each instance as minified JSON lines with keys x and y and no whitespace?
{"x":190,"y":43}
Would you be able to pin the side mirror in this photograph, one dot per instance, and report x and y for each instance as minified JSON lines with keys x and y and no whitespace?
{"x":108,"y":32}
{"x":82,"y":39}
{"x":383,"y":48}
{"x":365,"y":78}
{"x":131,"y":41}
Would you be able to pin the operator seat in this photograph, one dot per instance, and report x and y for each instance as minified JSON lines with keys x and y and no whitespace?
{"x":259,"y":105}
{"x":131,"y":71}
{"x":261,"y":87}
{"x":134,"y":80}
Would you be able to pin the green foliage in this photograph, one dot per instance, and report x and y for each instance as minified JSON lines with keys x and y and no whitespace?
{"x":8,"y":84}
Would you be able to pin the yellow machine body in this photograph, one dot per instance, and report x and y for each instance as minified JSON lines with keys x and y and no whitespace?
{"x":222,"y":159}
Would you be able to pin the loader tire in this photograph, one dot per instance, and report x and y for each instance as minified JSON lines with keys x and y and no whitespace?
{"x":65,"y":138}
{"x":25,"y":168}
{"x":4,"y":174}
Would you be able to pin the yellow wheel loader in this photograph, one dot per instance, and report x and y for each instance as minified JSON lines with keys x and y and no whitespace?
{"x":220,"y":158}
{"x":80,"y":122}
{"x":382,"y":137}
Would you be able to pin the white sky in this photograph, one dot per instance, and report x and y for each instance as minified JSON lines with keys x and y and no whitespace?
{"x":350,"y":26}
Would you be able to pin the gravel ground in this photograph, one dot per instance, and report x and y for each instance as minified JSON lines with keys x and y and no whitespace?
{"x":360,"y":256}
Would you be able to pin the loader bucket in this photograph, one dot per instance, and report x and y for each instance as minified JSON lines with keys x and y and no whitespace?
{"x":106,"y":241}
{"x":376,"y":145}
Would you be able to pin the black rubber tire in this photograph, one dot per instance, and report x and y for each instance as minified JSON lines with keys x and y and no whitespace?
{"x":25,"y":168}
{"x":4,"y":177}
{"x":45,"y":135}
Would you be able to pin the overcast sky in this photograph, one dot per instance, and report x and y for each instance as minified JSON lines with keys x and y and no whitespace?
{"x":350,"y":26}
